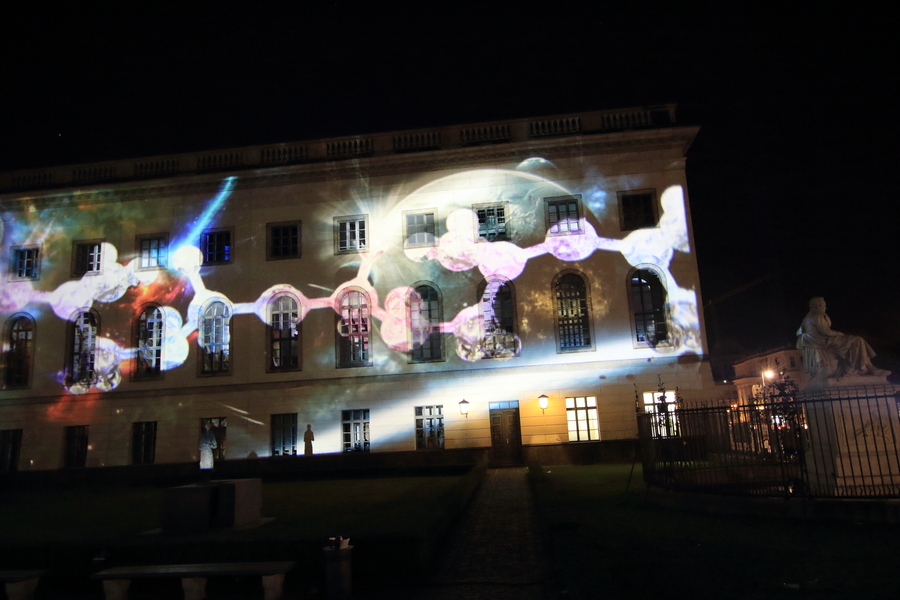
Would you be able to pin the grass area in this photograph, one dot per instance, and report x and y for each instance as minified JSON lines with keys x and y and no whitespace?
{"x":612,"y":542}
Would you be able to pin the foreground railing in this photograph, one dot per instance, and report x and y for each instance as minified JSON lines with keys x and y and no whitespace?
{"x":843,"y":443}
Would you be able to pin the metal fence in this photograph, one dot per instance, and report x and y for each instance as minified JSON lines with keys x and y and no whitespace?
{"x":843,"y":443}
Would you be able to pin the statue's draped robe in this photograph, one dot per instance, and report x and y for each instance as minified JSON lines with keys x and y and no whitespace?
{"x":828,"y":353}
{"x":207,"y":444}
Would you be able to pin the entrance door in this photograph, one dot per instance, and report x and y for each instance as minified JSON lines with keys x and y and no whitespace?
{"x":506,"y":437}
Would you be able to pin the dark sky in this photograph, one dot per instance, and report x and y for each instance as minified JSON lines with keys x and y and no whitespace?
{"x":791,"y":178}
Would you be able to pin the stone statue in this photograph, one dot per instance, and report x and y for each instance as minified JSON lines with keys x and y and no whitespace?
{"x":207,"y":445}
{"x":828,"y":353}
{"x":308,"y":438}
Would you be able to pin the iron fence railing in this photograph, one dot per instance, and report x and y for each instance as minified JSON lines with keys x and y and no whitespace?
{"x":839,"y":444}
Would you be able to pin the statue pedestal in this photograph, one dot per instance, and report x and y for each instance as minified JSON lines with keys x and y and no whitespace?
{"x":216,"y":504}
{"x":853,"y":437}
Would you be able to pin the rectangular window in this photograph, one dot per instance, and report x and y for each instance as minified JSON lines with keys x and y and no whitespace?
{"x":355,"y":430}
{"x":76,"y":446}
{"x":637,"y":209}
{"x":429,"y":427}
{"x":350,"y":234}
{"x":283,"y":240}
{"x":218,"y":426}
{"x":581,"y":416}
{"x":26,"y":263}
{"x":153,"y":251}
{"x":793,"y":362}
{"x":420,"y":229}
{"x":492,"y":222}
{"x":143,"y":443}
{"x":353,"y":340}
{"x":563,"y":215}
{"x":10,"y":448}
{"x":87,"y":258}
{"x":664,"y":422}
{"x":284,"y":435}
{"x":216,"y":247}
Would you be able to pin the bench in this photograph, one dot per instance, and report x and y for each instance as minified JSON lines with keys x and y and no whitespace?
{"x":21,"y":583}
{"x":193,"y":577}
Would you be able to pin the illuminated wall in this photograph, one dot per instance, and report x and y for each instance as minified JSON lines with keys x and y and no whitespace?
{"x":496,"y":327}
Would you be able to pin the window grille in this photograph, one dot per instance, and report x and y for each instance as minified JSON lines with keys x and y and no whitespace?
{"x":355,"y":430}
{"x":581,"y":417}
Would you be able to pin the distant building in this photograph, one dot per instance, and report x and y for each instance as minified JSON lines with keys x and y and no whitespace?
{"x":751,"y":373}
{"x":365,"y":285}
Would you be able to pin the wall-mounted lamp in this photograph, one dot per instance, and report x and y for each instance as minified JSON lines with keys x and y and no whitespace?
{"x":544,"y":401}
{"x":464,"y":408}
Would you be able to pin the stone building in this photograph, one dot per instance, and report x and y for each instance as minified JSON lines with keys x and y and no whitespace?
{"x":373,"y":287}
{"x":753,"y":372}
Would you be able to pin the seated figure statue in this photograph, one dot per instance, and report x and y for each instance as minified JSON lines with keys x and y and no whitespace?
{"x":828,"y":353}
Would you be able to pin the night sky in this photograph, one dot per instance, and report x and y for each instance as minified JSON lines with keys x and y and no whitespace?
{"x":791,"y":179}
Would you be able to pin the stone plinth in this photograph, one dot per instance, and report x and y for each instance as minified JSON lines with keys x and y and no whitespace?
{"x":203,"y":506}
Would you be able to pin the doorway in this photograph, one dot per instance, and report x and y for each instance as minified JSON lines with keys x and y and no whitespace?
{"x":506,"y":435}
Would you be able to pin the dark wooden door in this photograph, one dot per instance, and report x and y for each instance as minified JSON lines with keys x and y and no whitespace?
{"x":506,"y":438}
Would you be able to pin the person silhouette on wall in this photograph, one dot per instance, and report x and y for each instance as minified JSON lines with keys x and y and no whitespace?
{"x":308,"y":438}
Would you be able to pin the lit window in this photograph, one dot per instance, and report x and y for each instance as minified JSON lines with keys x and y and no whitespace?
{"x":18,"y":355}
{"x":215,"y":338}
{"x":284,"y":435}
{"x":10,"y":448}
{"x":572,"y":317}
{"x":283,"y":240}
{"x":581,"y":416}
{"x":76,"y":446}
{"x":492,"y":222}
{"x":84,"y":349}
{"x":420,"y":229}
{"x":143,"y":443}
{"x":496,"y":307}
{"x":637,"y":209}
{"x":355,"y":430}
{"x":562,"y":215}
{"x":87,"y":258}
{"x":350,"y":234}
{"x":429,"y":427}
{"x":425,"y":324}
{"x":354,"y":330}
{"x":26,"y":263}
{"x":284,"y":341}
{"x":664,"y":421}
{"x":648,"y":299}
{"x":216,"y":247}
{"x":153,"y":252}
{"x":149,"y":343}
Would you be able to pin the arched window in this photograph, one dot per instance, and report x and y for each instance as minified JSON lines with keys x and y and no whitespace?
{"x":425,"y":324}
{"x":215,"y":338}
{"x":84,"y":349}
{"x":648,"y":303}
{"x":19,"y":351}
{"x":496,"y":307}
{"x":284,"y":335}
{"x":573,"y":320}
{"x":149,"y":343}
{"x":354,"y":330}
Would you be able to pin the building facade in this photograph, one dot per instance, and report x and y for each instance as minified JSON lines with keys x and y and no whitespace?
{"x":764,"y":368}
{"x":363,"y":287}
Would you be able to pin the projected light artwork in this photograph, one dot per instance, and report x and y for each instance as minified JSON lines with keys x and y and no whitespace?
{"x":459,"y":248}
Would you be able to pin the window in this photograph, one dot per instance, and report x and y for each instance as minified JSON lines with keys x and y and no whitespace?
{"x":793,"y":362}
{"x":562,"y":215}
{"x":355,"y":430}
{"x":637,"y":209}
{"x":492,"y":222}
{"x":648,"y":299}
{"x":425,"y":324}
{"x":87,"y":258}
{"x":149,"y":343}
{"x":153,"y":251}
{"x":420,"y":229}
{"x":284,"y":435}
{"x":581,"y":415}
{"x":350,"y":234}
{"x":218,"y":426}
{"x":429,"y":427}
{"x":143,"y":443}
{"x":664,"y":422}
{"x":573,"y":320}
{"x":215,"y":338}
{"x":496,"y":307}
{"x":76,"y":446}
{"x":284,"y":337}
{"x":10,"y":448}
{"x":26,"y":263}
{"x":84,"y":349}
{"x":283,"y":240}
{"x":18,"y":354}
{"x":216,"y":247}
{"x":353,"y":344}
